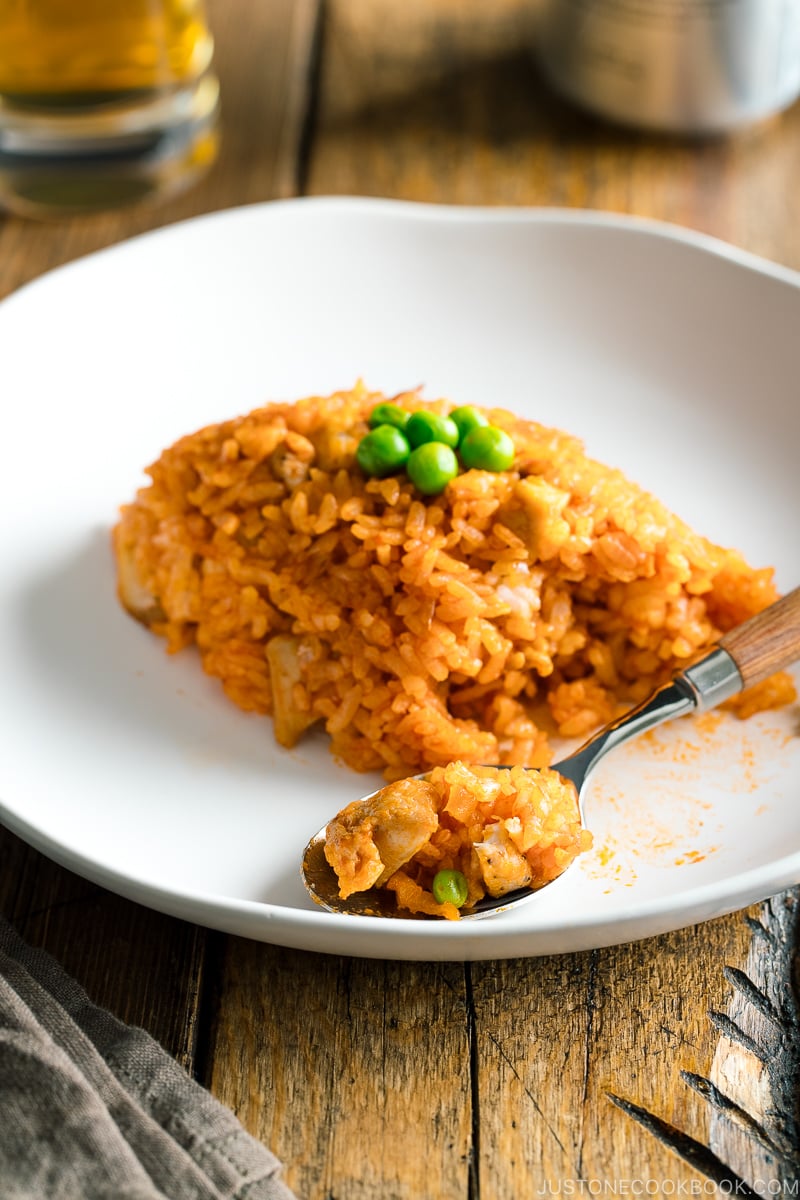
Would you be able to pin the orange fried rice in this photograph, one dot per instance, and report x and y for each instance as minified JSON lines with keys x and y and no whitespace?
{"x":418,"y":631}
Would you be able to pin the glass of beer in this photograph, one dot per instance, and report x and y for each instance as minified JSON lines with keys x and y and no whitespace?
{"x":103,"y":102}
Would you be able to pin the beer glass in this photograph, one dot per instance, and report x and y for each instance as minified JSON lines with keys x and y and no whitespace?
{"x":103,"y":102}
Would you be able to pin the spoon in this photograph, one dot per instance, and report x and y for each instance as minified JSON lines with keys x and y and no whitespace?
{"x":766,"y":643}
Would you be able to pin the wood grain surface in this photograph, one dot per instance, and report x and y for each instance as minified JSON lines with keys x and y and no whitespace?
{"x":671,"y":1062}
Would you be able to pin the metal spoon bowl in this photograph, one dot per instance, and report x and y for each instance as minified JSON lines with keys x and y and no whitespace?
{"x":766,"y":643}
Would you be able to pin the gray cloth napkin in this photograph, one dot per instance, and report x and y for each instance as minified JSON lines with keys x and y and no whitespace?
{"x":93,"y":1109}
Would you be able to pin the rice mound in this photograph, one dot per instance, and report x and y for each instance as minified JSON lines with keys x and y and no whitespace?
{"x":421,"y":631}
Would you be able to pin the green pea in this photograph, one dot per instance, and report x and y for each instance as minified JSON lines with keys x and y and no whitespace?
{"x":383,"y":451}
{"x":487,"y":448}
{"x":431,"y":467}
{"x":388,"y":414}
{"x":467,"y":418}
{"x":425,"y":427}
{"x":450,"y":886}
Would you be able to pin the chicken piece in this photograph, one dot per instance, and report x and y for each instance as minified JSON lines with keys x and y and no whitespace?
{"x":503,"y":867}
{"x":136,"y":598}
{"x":371,"y":839}
{"x":285,"y":670}
{"x":535,"y":516}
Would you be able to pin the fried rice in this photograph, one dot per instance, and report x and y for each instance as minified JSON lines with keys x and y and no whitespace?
{"x":468,"y":626}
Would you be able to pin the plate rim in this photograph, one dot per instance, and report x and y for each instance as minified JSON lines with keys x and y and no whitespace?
{"x":447,"y":213}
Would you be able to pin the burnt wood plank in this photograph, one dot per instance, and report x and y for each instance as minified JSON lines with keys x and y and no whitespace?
{"x":754,"y":1081}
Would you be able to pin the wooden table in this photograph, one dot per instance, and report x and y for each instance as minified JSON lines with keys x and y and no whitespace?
{"x":651,"y":1068}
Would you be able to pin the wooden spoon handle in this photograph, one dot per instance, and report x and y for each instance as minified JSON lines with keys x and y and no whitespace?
{"x":767,"y":642}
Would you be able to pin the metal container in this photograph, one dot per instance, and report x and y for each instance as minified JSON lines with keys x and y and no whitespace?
{"x":686,"y":66}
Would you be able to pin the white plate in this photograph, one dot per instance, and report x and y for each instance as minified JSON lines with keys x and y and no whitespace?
{"x":672,"y":355}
